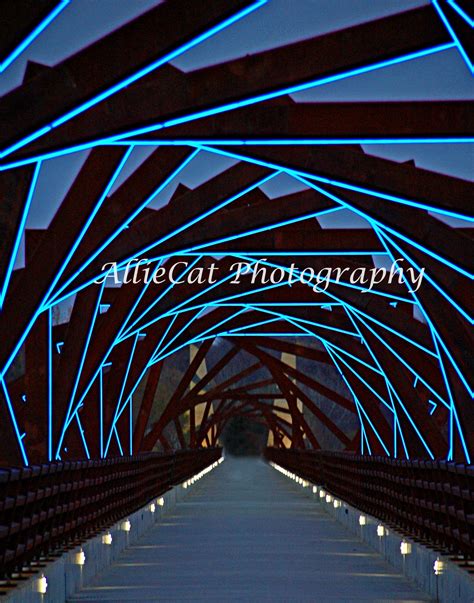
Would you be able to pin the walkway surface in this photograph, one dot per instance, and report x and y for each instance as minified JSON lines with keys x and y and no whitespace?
{"x":246,"y":533}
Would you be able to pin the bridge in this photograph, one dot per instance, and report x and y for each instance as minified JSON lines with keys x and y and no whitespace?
{"x":236,"y":229}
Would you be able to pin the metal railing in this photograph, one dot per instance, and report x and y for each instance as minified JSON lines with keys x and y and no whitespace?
{"x":49,"y":508}
{"x":430,"y":501}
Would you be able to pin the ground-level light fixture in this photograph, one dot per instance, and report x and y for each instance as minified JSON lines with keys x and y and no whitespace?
{"x":80,"y":558}
{"x":362,"y":520}
{"x":337,"y":503}
{"x":328,"y":498}
{"x":315,"y":489}
{"x":161,"y":502}
{"x":152,"y":508}
{"x":126,"y":525}
{"x":107,"y":538}
{"x":42,"y":585}
{"x":322,"y":494}
{"x":381,"y":530}
{"x":405,"y":547}
{"x":438,"y":567}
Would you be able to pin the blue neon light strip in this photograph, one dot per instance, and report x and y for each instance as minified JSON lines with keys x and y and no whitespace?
{"x":128,"y":331}
{"x":136,"y":76}
{"x":452,"y":403}
{"x":462,"y":13}
{"x":363,"y":381}
{"x":43,"y":305}
{"x":452,"y":33}
{"x":299,"y":175}
{"x":33,"y":35}
{"x":125,"y":224}
{"x":50,"y":385}
{"x":396,"y":354}
{"x":429,"y":322}
{"x":287,"y":91}
{"x":70,"y":417}
{"x":19,"y":234}
{"x":101,"y":412}
{"x":356,"y":400}
{"x":373,"y":221}
{"x":230,"y":106}
{"x":388,"y":386}
{"x":293,"y":141}
{"x":19,"y":436}
{"x":344,"y":303}
{"x":89,"y":221}
{"x":118,"y":409}
{"x":83,"y":436}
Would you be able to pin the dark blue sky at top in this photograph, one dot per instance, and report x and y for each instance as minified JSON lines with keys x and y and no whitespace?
{"x":441,"y":76}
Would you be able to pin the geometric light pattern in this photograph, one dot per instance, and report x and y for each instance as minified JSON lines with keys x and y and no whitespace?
{"x":94,"y":384}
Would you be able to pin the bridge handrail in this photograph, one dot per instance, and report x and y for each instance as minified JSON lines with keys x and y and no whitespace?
{"x":46,"y":509}
{"x":430,"y":500}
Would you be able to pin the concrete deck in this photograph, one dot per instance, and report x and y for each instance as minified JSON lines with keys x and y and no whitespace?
{"x":246,"y":533}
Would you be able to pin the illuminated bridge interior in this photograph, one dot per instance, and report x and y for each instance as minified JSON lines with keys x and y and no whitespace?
{"x":244,"y":227}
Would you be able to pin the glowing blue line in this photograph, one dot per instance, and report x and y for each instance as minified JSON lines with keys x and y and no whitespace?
{"x":50,"y":384}
{"x":181,"y":330}
{"x":210,"y":211}
{"x":270,"y":253}
{"x":124,"y":383}
{"x":81,"y":431}
{"x":262,"y":334}
{"x":452,"y":409}
{"x":373,"y":220}
{"x":432,"y":281}
{"x":124,"y":225}
{"x":418,"y":432}
{"x":387,"y":382}
{"x":33,"y":35}
{"x":454,"y":36}
{"x":69,"y":418}
{"x":429,"y":252}
{"x":298,"y":174}
{"x":117,"y":437}
{"x":51,"y":155}
{"x":364,"y":411}
{"x":163,"y":294}
{"x":460,"y":12}
{"x":19,"y":233}
{"x":429,"y":322}
{"x":315,"y":324}
{"x":260,"y":229}
{"x":140,"y":296}
{"x":295,"y":141}
{"x":19,"y":436}
{"x":130,"y":427}
{"x":400,"y":358}
{"x":366,"y":383}
{"x":253,"y":325}
{"x":101,"y":411}
{"x":215,"y":326}
{"x":141,"y":73}
{"x":329,"y":294}
{"x":397,"y":333}
{"x":289,"y":90}
{"x":117,"y":339}
{"x":356,"y":400}
{"x":230,"y":106}
{"x":90,"y":218}
{"x":43,"y":306}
